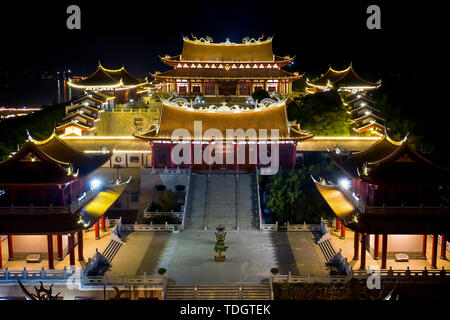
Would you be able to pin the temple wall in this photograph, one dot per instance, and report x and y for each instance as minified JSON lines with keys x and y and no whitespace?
{"x":29,"y":244}
{"x":409,"y":244}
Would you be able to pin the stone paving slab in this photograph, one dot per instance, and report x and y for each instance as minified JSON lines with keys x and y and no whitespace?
{"x":189,"y":256}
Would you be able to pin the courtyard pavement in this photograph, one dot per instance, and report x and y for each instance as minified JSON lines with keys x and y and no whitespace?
{"x":188,"y":256}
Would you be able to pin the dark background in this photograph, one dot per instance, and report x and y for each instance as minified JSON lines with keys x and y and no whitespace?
{"x":34,"y":38}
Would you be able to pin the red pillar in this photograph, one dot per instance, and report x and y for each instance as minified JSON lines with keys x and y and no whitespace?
{"x":434,"y":251}
{"x":71,"y":239}
{"x":10,"y":248}
{"x":342,"y":232}
{"x":356,"y":246}
{"x":424,"y":247}
{"x":338,"y":224}
{"x":103,"y":225}
{"x":59,"y":246}
{"x":50,"y":251}
{"x":384,"y":251}
{"x":376,"y":251}
{"x":443,"y":247}
{"x":1,"y":258}
{"x":97,"y":231}
{"x":80,"y":245}
{"x":363,"y":251}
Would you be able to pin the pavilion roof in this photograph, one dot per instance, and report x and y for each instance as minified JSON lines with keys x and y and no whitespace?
{"x":103,"y":77}
{"x":384,"y":220}
{"x":342,"y":78}
{"x":59,"y":220}
{"x":48,"y":161}
{"x":391,"y":162}
{"x":174,"y":117}
{"x":216,"y":73}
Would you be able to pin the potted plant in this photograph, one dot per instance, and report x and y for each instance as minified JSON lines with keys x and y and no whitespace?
{"x":162,"y":271}
{"x":219,"y":248}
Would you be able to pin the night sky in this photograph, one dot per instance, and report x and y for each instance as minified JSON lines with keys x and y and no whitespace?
{"x":34,"y":38}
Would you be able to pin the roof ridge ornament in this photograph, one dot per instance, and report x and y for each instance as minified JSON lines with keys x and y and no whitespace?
{"x":206,"y":40}
{"x":248,"y":40}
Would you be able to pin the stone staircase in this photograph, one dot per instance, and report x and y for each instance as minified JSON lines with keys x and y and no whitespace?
{"x":327,"y":249}
{"x":218,"y":292}
{"x":111,"y":250}
{"x":225,"y":198}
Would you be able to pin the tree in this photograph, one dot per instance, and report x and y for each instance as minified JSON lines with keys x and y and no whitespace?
{"x":292,"y":196}
{"x":321,"y":113}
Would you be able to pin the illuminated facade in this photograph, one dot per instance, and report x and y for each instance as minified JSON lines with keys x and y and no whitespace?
{"x":213,"y":136}
{"x":49,"y":196}
{"x":390,"y":191}
{"x":117,"y":83}
{"x":80,"y":120}
{"x":226,"y":69}
{"x":346,"y":81}
{"x":365,"y":117}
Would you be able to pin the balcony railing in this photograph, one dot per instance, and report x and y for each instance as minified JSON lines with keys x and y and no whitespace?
{"x":35,"y":210}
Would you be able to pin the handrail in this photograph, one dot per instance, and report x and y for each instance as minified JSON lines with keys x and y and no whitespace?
{"x":77,"y":204}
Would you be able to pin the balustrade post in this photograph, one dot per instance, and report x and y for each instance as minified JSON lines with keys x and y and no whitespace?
{"x":42,"y":272}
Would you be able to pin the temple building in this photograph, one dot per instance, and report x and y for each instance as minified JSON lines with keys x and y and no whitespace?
{"x":346,"y":81}
{"x":226,"y":69}
{"x":49,"y":196}
{"x":113,"y":82}
{"x":80,"y":120}
{"x":212,"y":136}
{"x":393,"y":192}
{"x":365,"y":116}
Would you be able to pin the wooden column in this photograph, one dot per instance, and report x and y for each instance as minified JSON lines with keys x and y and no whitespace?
{"x":97,"y":231}
{"x":50,"y":251}
{"x":363,"y":251}
{"x":10,"y":248}
{"x":384,"y":251}
{"x":102,"y":222}
{"x":342,"y":232}
{"x":443,"y":247}
{"x":71,"y":241}
{"x":338,"y":224}
{"x":59,"y":247}
{"x":80,"y":245}
{"x":376,"y":250}
{"x":424,"y":247}
{"x":434,"y":246}
{"x":356,"y":246}
{"x":1,"y":257}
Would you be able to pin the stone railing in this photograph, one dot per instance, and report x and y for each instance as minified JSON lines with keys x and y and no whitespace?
{"x":404,"y":274}
{"x":269,"y":227}
{"x":155,"y":281}
{"x":42,"y":274}
{"x":308,"y":279}
{"x":258,"y":200}
{"x":150,"y":227}
{"x":35,"y":210}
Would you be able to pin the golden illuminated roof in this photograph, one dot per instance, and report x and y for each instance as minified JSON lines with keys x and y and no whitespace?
{"x":108,"y":78}
{"x":173,"y":117}
{"x":346,"y":78}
